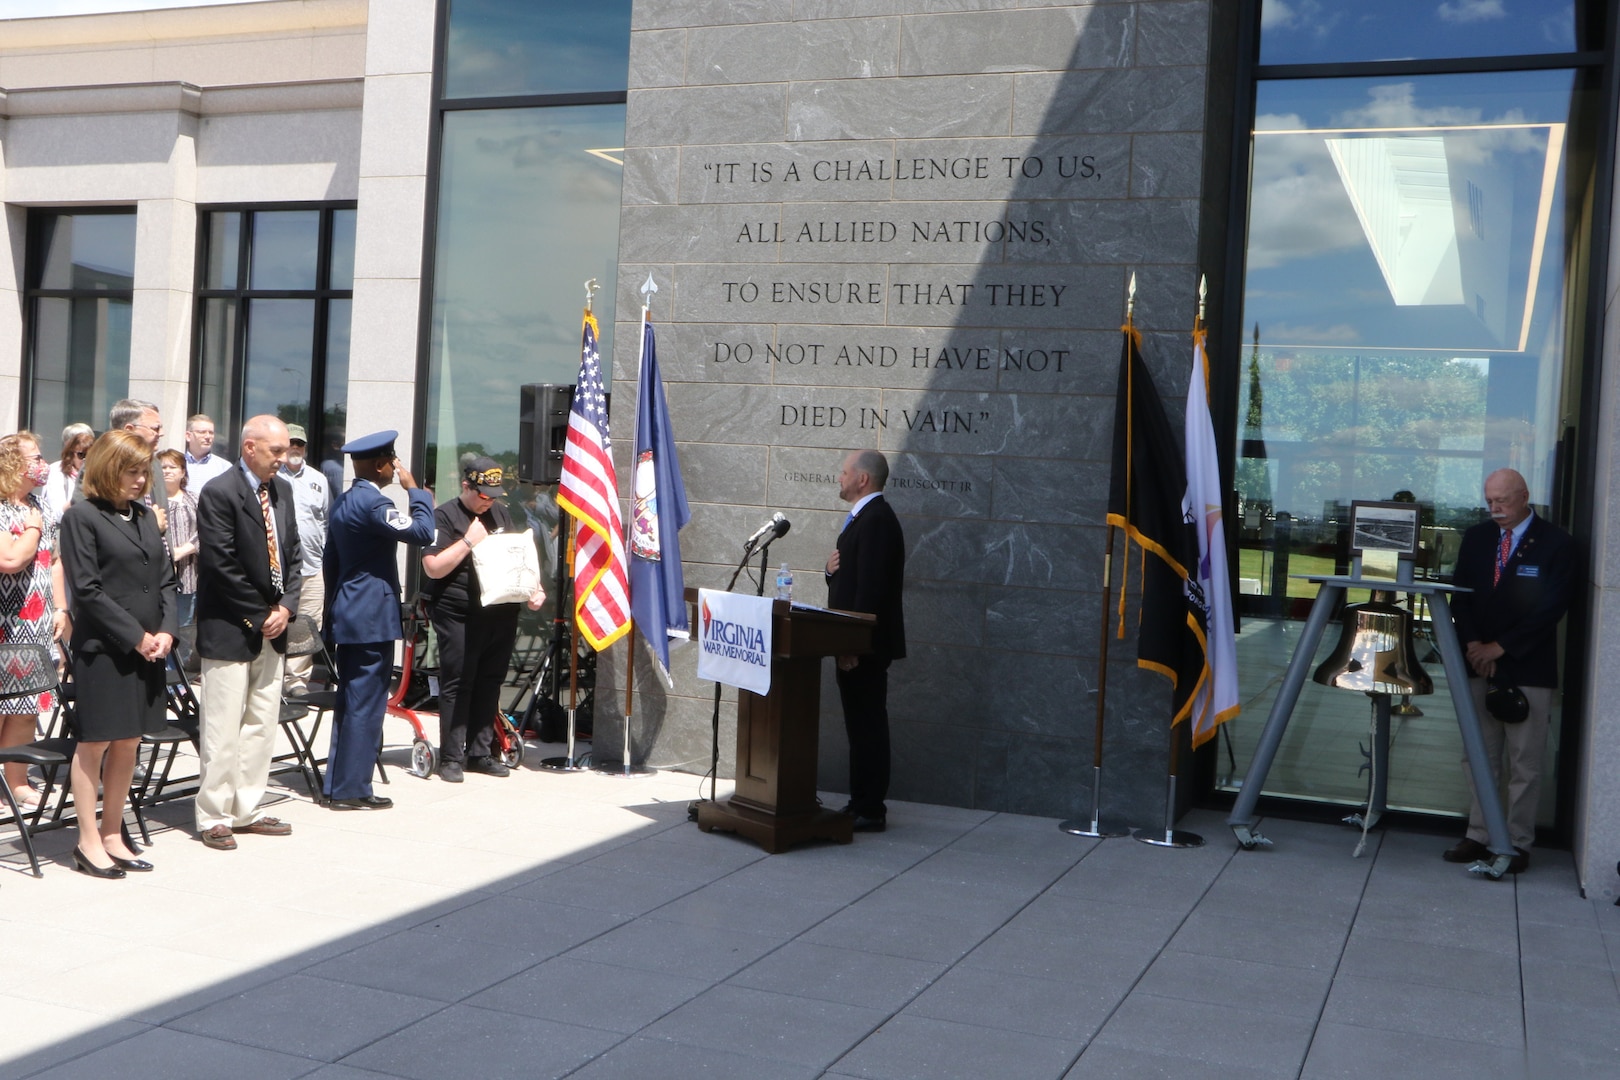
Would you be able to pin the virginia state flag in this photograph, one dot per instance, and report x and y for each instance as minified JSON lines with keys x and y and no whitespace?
{"x":1145,"y":499}
{"x":659,"y":512}
{"x":1209,"y":587}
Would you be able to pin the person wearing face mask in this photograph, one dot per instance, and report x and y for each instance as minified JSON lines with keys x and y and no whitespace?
{"x":30,"y":588}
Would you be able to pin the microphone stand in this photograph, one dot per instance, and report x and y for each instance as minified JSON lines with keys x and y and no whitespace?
{"x":714,"y":718}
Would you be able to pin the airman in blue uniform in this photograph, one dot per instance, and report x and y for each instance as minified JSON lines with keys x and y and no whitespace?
{"x":362,"y":581}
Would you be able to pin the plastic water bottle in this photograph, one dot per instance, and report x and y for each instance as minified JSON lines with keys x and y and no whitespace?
{"x":784,"y":583}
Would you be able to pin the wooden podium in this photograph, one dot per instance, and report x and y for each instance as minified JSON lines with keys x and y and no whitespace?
{"x":778,"y":735}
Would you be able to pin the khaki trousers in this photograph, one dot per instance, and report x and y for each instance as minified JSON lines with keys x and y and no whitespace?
{"x":241,"y":709}
{"x":311,"y":602}
{"x":1518,"y":749}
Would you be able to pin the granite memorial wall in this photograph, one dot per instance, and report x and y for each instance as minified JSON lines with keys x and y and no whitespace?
{"x":875,"y":223}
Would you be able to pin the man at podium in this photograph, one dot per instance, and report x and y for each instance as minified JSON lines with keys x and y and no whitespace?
{"x":865,"y":573}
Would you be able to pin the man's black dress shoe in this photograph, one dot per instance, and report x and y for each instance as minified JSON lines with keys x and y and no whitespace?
{"x":83,"y":865}
{"x":870,"y":824}
{"x":134,"y":866}
{"x":488,"y":766}
{"x":1520,"y":861}
{"x":1467,"y":851}
{"x":364,"y":802}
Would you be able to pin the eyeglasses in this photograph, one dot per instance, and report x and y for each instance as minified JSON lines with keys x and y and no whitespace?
{"x":79,"y":454}
{"x":157,"y":430}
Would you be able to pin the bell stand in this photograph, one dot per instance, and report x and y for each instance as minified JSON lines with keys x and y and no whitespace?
{"x":1242,"y":819}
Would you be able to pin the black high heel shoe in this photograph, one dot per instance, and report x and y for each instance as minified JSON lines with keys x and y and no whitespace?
{"x":134,"y":866}
{"x":82,"y":863}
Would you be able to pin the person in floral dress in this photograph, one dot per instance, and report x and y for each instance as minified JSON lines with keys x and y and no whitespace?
{"x":33,"y":603}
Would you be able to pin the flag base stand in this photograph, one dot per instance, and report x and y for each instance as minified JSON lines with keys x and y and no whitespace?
{"x":625,"y":768}
{"x":1171,"y":837}
{"x":625,"y":772}
{"x":1094,"y":828}
{"x":571,"y":762}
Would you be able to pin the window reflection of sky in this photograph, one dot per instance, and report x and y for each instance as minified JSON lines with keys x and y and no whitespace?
{"x":1398,"y":229}
{"x":1314,"y":256}
{"x":498,"y":47}
{"x":526,"y":214}
{"x":1334,"y":31}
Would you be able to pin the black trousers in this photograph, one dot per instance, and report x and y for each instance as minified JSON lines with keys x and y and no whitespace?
{"x":864,"y":691}
{"x":475,"y":648}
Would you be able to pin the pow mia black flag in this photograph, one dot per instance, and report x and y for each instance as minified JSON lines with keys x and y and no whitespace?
{"x":1145,"y":499}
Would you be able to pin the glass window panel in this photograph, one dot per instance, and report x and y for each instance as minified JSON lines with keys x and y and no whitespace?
{"x":342,"y":258}
{"x":1411,"y":254}
{"x":80,"y":361}
{"x":286,"y":247}
{"x":497,"y":47}
{"x":334,"y":418}
{"x":517,"y":187}
{"x":214,"y":394}
{"x":280,"y":344}
{"x":224,"y":244}
{"x":87,"y":252}
{"x":1338,"y":31}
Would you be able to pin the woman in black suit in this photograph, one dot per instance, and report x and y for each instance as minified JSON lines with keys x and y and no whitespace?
{"x":121,"y":582}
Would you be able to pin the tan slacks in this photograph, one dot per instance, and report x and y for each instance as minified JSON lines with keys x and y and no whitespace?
{"x":241,"y":708}
{"x":311,"y":601}
{"x":1518,"y":749}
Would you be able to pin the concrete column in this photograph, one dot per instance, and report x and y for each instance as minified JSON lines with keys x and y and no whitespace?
{"x":388,"y":224}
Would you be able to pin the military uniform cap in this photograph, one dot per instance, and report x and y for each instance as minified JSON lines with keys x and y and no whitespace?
{"x":379,"y":444}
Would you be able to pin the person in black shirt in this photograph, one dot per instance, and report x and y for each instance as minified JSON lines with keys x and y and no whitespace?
{"x":475,"y":642}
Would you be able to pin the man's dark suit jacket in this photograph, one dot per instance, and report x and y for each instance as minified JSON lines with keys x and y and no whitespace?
{"x":871,"y":575}
{"x":234,"y":591}
{"x":1520,"y":613}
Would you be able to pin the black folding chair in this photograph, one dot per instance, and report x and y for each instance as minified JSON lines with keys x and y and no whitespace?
{"x":320,"y":698}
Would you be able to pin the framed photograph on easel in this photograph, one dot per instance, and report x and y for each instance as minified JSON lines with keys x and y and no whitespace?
{"x":1384,"y":527}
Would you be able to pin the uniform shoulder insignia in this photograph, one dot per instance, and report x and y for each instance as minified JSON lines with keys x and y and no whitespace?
{"x":398,"y":519}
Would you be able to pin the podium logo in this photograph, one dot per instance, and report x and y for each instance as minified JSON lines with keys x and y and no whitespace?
{"x":733,"y":640}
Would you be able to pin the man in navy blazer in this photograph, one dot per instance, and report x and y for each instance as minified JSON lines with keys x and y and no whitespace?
{"x":361,"y":565}
{"x":866,"y":573}
{"x":247,"y":589}
{"x":1519,"y":567}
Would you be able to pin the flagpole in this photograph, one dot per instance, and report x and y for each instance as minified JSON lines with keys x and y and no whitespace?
{"x":1173,"y":837}
{"x":1095,"y":828}
{"x":569,"y":762}
{"x":627,"y":767}
{"x":566,"y":534}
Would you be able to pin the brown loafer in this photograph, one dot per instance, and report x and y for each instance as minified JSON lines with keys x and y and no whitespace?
{"x":265,"y":826}
{"x":219,"y":838}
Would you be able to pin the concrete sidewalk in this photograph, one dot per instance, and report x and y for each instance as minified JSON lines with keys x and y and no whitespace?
{"x":552,"y":925}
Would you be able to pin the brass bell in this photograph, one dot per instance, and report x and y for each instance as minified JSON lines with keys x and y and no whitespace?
{"x":1375,"y":654}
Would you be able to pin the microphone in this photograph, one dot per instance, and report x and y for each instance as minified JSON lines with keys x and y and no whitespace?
{"x":777,"y":527}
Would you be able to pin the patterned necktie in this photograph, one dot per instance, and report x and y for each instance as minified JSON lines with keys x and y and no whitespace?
{"x":270,"y":536}
{"x":1504,"y":552}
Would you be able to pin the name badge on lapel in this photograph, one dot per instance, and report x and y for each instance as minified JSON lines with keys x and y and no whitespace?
{"x":1529,"y":571}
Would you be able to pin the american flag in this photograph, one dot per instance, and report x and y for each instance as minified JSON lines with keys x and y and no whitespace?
{"x":589,"y":492}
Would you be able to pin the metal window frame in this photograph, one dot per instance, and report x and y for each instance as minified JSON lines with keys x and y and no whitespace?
{"x":322,"y":296}
{"x":1574,"y":500}
{"x":33,"y":257}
